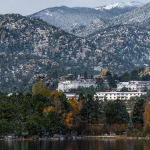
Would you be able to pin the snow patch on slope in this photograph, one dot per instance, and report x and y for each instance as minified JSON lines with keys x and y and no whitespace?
{"x":120,"y":5}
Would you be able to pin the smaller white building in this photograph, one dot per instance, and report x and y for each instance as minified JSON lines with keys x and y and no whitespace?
{"x":111,"y":96}
{"x":138,"y":86}
{"x":71,"y":95}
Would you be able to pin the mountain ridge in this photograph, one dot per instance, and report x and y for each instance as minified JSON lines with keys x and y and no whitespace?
{"x":138,"y":16}
{"x":64,"y":17}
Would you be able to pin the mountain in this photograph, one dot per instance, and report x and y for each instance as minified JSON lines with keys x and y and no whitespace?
{"x":65,"y":17}
{"x":31,"y":49}
{"x":126,"y":36}
{"x":129,"y":42}
{"x":139,"y":17}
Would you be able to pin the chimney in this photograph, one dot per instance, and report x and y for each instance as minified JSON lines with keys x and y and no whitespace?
{"x":78,"y":76}
{"x":107,"y":90}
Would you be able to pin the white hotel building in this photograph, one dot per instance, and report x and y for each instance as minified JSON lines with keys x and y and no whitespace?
{"x":138,"y":86}
{"x":66,"y":86}
{"x":111,"y":96}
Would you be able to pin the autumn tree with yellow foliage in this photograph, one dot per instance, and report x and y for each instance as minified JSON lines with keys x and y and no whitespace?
{"x":38,"y":86}
{"x":46,"y":93}
{"x":73,"y":105}
{"x":56,"y":93}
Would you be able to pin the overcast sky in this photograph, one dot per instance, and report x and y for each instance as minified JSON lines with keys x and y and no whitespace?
{"x":27,"y":7}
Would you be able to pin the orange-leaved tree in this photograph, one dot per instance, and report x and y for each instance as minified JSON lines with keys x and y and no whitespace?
{"x":147,"y":117}
{"x":46,"y":110}
{"x":68,"y":120}
{"x":80,"y":105}
{"x":73,"y":105}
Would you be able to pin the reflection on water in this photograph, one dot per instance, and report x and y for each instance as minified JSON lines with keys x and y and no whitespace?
{"x":76,"y":145}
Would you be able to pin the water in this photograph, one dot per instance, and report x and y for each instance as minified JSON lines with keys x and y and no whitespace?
{"x":76,"y":145}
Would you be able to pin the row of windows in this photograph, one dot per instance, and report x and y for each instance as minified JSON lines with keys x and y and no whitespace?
{"x":134,"y":85}
{"x":120,"y":94}
{"x":81,"y":83}
{"x":114,"y":97}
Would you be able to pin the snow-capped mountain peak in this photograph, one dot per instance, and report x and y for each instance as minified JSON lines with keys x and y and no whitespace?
{"x":65,"y":17}
{"x":134,"y":4}
{"x":120,"y":5}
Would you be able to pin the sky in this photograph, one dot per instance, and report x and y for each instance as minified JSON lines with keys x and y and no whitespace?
{"x":27,"y":7}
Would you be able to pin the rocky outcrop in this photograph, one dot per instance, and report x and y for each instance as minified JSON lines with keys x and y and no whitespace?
{"x":103,"y":74}
{"x":145,"y":72}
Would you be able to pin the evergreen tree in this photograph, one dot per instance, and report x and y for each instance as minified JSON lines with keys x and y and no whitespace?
{"x":75,"y":75}
{"x":124,"y":89}
{"x":53,"y":123}
{"x":90,"y":110}
{"x":39,"y":108}
{"x":125,"y":77}
{"x":101,"y":89}
{"x":90,"y":90}
{"x":138,"y":111}
{"x":116,"y":112}
{"x":85,"y":75}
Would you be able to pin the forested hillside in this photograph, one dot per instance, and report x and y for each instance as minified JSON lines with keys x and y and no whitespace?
{"x":29,"y":47}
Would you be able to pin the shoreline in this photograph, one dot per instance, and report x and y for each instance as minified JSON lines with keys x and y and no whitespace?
{"x":82,"y":138}
{"x":114,"y":137}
